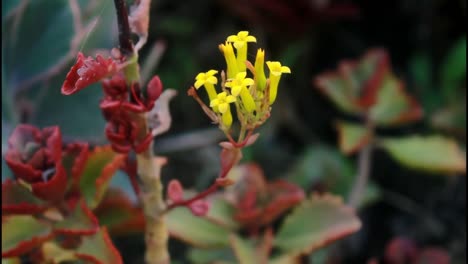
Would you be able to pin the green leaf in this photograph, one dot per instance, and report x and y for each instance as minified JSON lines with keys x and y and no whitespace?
{"x":98,"y":248}
{"x":453,"y":70}
{"x":21,"y":233}
{"x":17,"y":199}
{"x":222,"y":213}
{"x":428,"y":153}
{"x":316,"y":223}
{"x":101,"y":165}
{"x":285,"y":259}
{"x":81,"y":222}
{"x":203,"y":256}
{"x":394,"y":106}
{"x":320,"y":162}
{"x":196,"y":231}
{"x":244,"y":251}
{"x":352,"y":137}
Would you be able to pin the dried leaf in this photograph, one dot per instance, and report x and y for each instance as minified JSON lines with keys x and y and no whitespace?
{"x":159,"y":117}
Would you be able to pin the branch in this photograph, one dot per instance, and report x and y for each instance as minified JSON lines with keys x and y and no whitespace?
{"x":126,"y":46}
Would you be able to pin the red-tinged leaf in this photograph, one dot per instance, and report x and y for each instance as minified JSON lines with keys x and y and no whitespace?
{"x":401,"y":250}
{"x":175,"y":191}
{"x":394,"y":106}
{"x":17,"y":199}
{"x":120,"y":214}
{"x":199,"y":207}
{"x":221,"y":212}
{"x":352,"y":137}
{"x":229,"y":158}
{"x":101,"y":166}
{"x":80,"y":222}
{"x":429,"y":153}
{"x":315,"y":223}
{"x":195,"y":230}
{"x":433,"y":255}
{"x":99,"y":249}
{"x":74,"y":161}
{"x":52,"y":253}
{"x":355,"y":85}
{"x":87,"y":71}
{"x":22,"y":233}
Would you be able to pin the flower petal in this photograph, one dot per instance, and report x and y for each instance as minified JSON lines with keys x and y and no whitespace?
{"x":223,"y":107}
{"x":285,"y":69}
{"x":199,"y":83}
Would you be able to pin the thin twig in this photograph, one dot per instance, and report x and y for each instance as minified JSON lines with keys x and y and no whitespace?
{"x":364,"y":166}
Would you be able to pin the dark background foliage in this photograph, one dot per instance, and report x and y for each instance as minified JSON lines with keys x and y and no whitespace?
{"x":310,"y":36}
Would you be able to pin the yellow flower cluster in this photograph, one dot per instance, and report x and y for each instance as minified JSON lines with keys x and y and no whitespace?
{"x":252,"y":96}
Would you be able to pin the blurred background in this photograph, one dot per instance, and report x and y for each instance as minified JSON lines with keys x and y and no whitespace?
{"x":426,"y":43}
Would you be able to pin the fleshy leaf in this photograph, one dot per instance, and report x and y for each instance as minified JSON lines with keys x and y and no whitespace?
{"x":285,"y":259}
{"x":353,"y":87}
{"x":429,"y":153}
{"x":101,"y":166}
{"x":315,"y":223}
{"x":394,"y":106}
{"x":17,"y":199}
{"x":119,"y":213}
{"x":221,"y":213}
{"x":50,"y":251}
{"x":244,"y":251}
{"x":203,"y":256}
{"x":99,"y":249}
{"x":22,"y":233}
{"x":195,"y":230}
{"x":352,"y":137}
{"x":81,"y":222}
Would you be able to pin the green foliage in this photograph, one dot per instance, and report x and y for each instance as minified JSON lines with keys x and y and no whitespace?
{"x":352,"y":137}
{"x":21,"y":233}
{"x":315,"y":223}
{"x":196,"y":231}
{"x":429,"y":153}
{"x":98,"y":171}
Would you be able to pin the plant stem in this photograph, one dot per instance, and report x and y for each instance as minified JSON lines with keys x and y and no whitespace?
{"x":148,"y":171}
{"x":364,"y":166}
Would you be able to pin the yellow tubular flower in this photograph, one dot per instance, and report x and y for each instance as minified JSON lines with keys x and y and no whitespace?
{"x":238,"y":86}
{"x":230,"y":58}
{"x":208,"y":80}
{"x":240,"y":43}
{"x":276,"y":69}
{"x":221,"y":102}
{"x":259,"y":71}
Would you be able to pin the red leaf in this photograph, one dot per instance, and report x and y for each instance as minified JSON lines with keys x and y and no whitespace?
{"x":16,"y":199}
{"x":87,"y":71}
{"x":154,"y":89}
{"x":401,"y":250}
{"x":199,"y":207}
{"x":433,"y":255}
{"x":175,"y":191}
{"x":53,"y":189}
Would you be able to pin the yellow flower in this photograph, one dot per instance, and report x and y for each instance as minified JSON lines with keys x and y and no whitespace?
{"x":276,"y":69}
{"x":239,"y":87}
{"x":259,"y":71}
{"x":208,"y":80}
{"x":240,"y":43}
{"x":241,"y":39}
{"x":221,"y":102}
{"x":239,"y":82}
{"x":230,"y":58}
